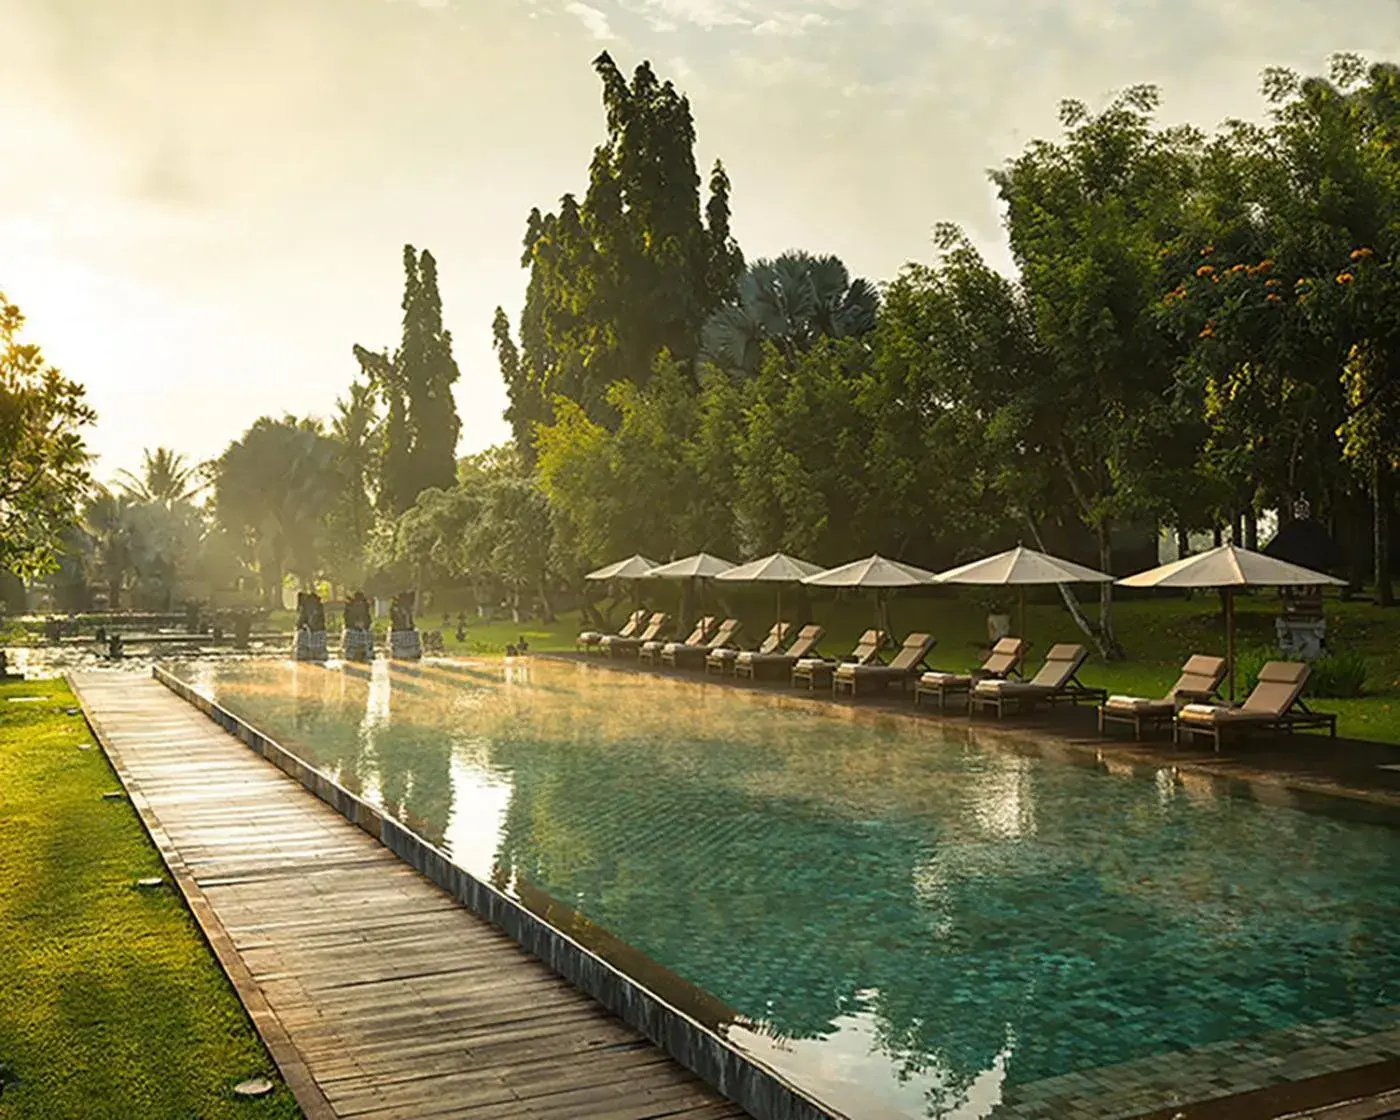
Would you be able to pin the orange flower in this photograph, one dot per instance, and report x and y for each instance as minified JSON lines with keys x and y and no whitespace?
{"x":1271,"y":283}
{"x":1361,"y":254}
{"x":1275,"y":298}
{"x":1208,"y":331}
{"x":1205,"y":270}
{"x":1264,"y":266}
{"x":1302,"y":282}
{"x":1345,"y":278}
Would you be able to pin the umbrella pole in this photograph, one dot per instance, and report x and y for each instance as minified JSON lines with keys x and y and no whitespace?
{"x":1022,"y":634}
{"x":1230,"y":638}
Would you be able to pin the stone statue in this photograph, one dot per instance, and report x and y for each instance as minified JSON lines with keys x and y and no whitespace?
{"x":405,"y":644}
{"x":358,"y":641}
{"x":310,"y":641}
{"x":357,"y":612}
{"x":401,"y":611}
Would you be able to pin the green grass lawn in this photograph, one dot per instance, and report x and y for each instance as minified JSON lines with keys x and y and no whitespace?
{"x":1158,"y":633}
{"x":111,"y":1003}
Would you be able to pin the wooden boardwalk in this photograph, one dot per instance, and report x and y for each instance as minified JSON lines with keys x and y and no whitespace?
{"x":378,"y":995}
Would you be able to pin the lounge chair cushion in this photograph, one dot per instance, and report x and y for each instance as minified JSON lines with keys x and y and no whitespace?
{"x":1217,"y":713}
{"x":999,"y":687}
{"x":1137,"y":704}
{"x":936,"y":679}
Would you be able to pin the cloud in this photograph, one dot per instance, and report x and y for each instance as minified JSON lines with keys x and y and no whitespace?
{"x":595,"y":21}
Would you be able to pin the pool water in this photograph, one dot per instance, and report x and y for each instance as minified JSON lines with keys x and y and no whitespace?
{"x":905,"y":920}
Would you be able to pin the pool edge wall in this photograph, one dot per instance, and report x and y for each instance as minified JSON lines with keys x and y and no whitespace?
{"x":739,"y":1077}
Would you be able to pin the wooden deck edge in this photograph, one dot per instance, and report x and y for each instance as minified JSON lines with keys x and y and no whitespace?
{"x":275,"y":1037}
{"x":762,"y":1092}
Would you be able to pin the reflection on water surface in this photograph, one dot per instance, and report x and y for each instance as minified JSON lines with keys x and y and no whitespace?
{"x":907,"y":923}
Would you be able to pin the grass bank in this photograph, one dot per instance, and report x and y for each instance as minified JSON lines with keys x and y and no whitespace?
{"x":112,"y":1003}
{"x":1158,"y":633}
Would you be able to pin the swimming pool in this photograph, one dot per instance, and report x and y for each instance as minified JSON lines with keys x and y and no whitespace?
{"x":903,"y":920}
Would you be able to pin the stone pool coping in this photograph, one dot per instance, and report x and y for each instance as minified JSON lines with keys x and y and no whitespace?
{"x":761,"y":1091}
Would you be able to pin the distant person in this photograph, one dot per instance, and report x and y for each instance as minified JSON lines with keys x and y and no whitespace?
{"x":522,"y":645}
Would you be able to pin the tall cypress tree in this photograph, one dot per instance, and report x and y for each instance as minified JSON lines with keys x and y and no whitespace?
{"x":634,"y":269}
{"x":428,"y":372}
{"x":421,"y":424}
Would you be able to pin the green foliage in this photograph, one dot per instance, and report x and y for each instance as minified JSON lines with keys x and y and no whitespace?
{"x":165,"y":478}
{"x":273,"y":491}
{"x":787,"y":303}
{"x":1340,"y":675}
{"x":415,"y":448}
{"x":123,"y":1010}
{"x":629,"y":273}
{"x":43,"y":460}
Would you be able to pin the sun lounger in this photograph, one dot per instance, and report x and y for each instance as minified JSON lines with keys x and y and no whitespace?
{"x":753,"y":665}
{"x":1003,"y":662}
{"x":616,"y":646}
{"x":590,"y":640}
{"x":904,"y":667}
{"x":651,"y":651}
{"x":816,"y":672}
{"x":1276,"y":704}
{"x":1199,"y":680}
{"x":721,"y":659}
{"x":679,"y":656}
{"x":1056,"y":683}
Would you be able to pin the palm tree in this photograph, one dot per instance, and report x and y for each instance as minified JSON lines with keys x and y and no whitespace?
{"x":107,"y":521}
{"x":791,"y":302}
{"x":165,"y":478}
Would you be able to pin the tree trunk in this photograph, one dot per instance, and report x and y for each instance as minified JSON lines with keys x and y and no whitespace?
{"x":1218,"y":535}
{"x":1251,"y":531}
{"x":272,"y":585}
{"x":591,"y":613}
{"x":1183,"y":542}
{"x":1381,"y":496}
{"x":1110,"y":648}
{"x":1071,"y":602}
{"x":546,"y":608}
{"x":114,"y":593}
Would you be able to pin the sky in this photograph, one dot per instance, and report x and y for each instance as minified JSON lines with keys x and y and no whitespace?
{"x":204,"y":203}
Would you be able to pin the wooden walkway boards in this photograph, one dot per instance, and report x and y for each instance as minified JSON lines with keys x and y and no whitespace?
{"x":379,"y":996}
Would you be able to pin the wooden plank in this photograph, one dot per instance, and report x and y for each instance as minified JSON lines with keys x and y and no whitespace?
{"x":397,"y":1002}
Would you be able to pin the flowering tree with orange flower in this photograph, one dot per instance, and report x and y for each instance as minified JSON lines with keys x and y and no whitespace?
{"x":1287,"y":291}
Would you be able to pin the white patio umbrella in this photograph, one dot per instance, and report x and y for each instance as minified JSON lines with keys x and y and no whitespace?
{"x":1022,"y":566}
{"x":875,"y":572}
{"x":634,"y":567}
{"x":1227,"y":568}
{"x":700,"y":566}
{"x":778,"y":568}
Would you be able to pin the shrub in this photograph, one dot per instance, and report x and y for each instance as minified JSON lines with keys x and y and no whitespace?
{"x":1336,"y":676}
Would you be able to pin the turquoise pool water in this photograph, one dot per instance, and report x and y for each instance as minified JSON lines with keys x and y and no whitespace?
{"x":904,"y":920}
